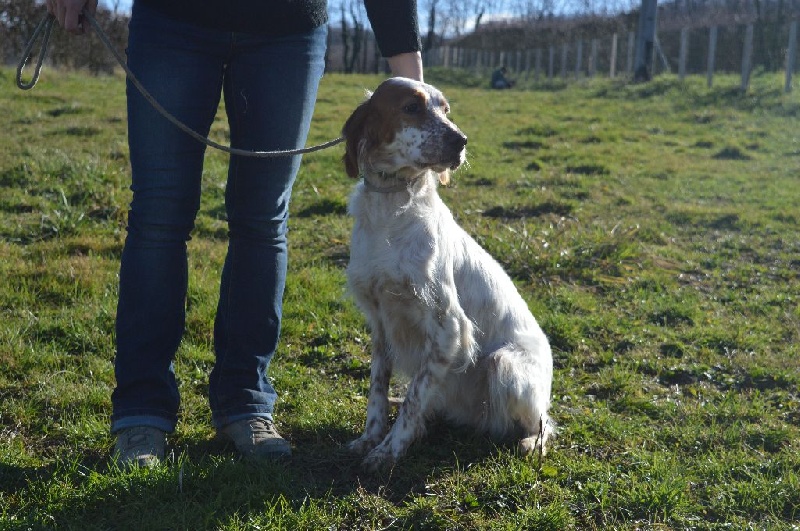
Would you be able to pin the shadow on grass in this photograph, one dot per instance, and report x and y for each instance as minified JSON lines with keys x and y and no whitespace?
{"x":541,"y":209}
{"x":204,"y":484}
{"x":324,"y":207}
{"x":13,"y":478}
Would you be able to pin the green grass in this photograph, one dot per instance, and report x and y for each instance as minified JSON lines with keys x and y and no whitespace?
{"x":653,"y":230}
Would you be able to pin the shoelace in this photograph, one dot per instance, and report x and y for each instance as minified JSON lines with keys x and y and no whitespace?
{"x":137,"y":437}
{"x":261,"y":427}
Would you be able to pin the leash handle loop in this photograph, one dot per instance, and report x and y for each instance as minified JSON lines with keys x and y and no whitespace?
{"x":46,"y":26}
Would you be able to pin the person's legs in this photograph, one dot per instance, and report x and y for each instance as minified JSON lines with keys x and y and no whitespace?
{"x":182,"y":66}
{"x":270,"y":89}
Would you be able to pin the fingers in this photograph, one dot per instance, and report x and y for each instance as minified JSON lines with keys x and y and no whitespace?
{"x":69,"y":13}
{"x":73,"y":19}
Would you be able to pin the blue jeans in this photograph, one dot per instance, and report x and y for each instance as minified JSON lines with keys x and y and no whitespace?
{"x":270,"y":86}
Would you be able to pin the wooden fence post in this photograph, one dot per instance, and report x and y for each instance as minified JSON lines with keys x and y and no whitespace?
{"x":578,"y":59}
{"x":613,"y":69}
{"x":527,"y":64}
{"x":747,"y":56}
{"x":564,"y":51}
{"x":631,"y":44}
{"x":712,"y":51}
{"x":791,"y":53}
{"x":538,"y":70}
{"x":683,"y":54}
{"x":593,"y":59}
{"x":551,"y":64}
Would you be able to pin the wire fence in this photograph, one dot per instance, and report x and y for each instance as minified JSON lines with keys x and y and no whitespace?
{"x":741,"y":49}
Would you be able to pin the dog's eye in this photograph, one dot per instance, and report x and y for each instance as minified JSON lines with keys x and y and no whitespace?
{"x":411,"y":108}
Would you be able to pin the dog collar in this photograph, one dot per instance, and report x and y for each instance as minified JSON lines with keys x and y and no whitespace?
{"x":401,"y":186}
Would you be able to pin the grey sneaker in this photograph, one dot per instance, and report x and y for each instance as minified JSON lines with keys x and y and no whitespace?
{"x":257,"y":437}
{"x":142,"y":446}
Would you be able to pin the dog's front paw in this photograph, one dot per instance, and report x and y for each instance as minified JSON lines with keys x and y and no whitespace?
{"x":363,"y":445}
{"x":532,"y":445}
{"x":379,"y":460}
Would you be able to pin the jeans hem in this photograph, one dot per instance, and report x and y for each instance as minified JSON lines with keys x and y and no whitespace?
{"x":151,"y":421}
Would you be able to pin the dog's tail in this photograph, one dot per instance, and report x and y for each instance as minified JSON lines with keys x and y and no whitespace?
{"x":519,"y":390}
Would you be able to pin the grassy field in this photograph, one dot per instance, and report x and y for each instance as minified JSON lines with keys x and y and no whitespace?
{"x":652,"y":229}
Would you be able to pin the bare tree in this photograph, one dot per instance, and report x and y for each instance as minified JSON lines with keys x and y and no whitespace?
{"x":457,"y":17}
{"x":114,"y":6}
{"x":645,"y":41}
{"x":353,"y":33}
{"x":430,"y":38}
{"x":18,"y":19}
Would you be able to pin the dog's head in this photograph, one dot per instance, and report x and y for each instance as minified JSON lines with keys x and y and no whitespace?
{"x":402,"y":129}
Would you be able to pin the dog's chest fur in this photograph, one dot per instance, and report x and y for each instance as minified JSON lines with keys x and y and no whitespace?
{"x":395,"y":257}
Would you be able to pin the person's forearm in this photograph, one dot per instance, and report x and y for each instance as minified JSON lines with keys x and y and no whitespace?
{"x":406,"y":65}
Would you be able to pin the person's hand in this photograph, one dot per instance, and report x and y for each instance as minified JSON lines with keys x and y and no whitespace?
{"x":406,"y":65}
{"x":68,"y":13}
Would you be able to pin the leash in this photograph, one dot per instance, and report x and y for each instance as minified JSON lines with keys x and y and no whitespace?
{"x":46,"y":27}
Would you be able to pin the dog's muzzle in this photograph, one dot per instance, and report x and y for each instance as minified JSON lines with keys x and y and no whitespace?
{"x":454,"y":143}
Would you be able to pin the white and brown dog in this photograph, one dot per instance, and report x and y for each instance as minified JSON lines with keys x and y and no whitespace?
{"x":440,"y":309}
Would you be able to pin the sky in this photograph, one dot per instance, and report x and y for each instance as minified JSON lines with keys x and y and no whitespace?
{"x":124,"y":5}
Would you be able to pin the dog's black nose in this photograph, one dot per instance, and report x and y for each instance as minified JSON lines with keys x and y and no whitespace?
{"x":457,"y":139}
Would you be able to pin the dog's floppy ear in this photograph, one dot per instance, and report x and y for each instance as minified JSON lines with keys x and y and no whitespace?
{"x":354,"y":131}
